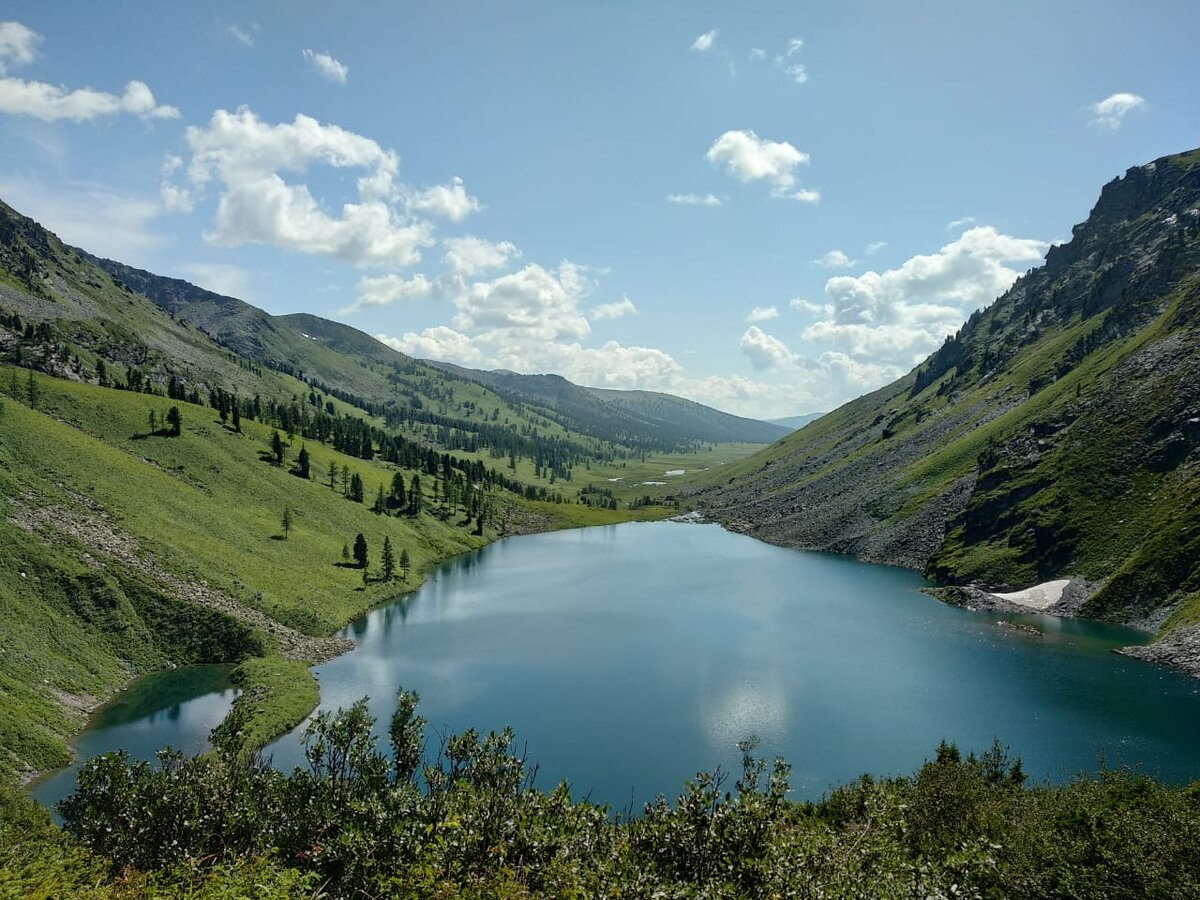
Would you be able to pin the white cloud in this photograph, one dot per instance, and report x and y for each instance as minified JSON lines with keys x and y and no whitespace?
{"x":388,"y":289}
{"x":245,"y":156}
{"x":18,"y":45}
{"x":705,"y":42}
{"x":1110,"y":112}
{"x":748,"y":158}
{"x":758,"y":53}
{"x":244,"y":36}
{"x":765,"y":351}
{"x":763,"y":314}
{"x":884,"y":323}
{"x":616,"y":310}
{"x":51,"y":103}
{"x":960,"y":223}
{"x":694,"y":199}
{"x":834,"y":259}
{"x":220,"y":278}
{"x":450,"y":201}
{"x":326,"y":66}
{"x":469,"y":255}
{"x":874,"y":247}
{"x":532,"y":305}
{"x":794,"y":46}
{"x":438,"y":343}
{"x":174,"y":198}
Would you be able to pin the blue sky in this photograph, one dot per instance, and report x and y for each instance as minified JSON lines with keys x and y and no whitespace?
{"x":768,"y":207}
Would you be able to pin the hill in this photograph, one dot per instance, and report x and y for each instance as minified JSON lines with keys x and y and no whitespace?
{"x":1057,"y":434}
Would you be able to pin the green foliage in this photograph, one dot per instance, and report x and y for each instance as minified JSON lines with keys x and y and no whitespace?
{"x":361,"y":823}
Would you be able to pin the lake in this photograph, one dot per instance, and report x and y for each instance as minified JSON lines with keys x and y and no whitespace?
{"x":629,"y":657}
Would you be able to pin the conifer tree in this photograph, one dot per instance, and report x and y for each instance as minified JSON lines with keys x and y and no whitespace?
{"x":286,"y":521}
{"x":414,"y":496}
{"x":237,"y":416}
{"x":302,"y":463}
{"x":380,"y":502}
{"x":277,"y":447}
{"x":360,"y":551}
{"x":332,"y":474}
{"x":153,"y":420}
{"x":174,"y":421}
{"x":405,"y":563}
{"x":31,"y":390}
{"x":388,"y":560}
{"x":356,"y":488}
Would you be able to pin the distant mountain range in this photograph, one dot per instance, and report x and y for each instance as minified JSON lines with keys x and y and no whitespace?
{"x":1057,"y":434}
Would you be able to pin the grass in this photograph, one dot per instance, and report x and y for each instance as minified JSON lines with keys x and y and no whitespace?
{"x":276,"y":695}
{"x":79,"y":623}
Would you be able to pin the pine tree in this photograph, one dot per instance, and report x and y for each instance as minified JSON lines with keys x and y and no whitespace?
{"x":302,"y":463}
{"x":14,"y":387}
{"x":405,"y":563}
{"x":380,"y":501}
{"x":31,"y":390}
{"x":277,"y":447}
{"x":360,"y":551}
{"x":153,"y":420}
{"x":398,"y":490}
{"x":174,"y":421}
{"x":356,"y":488}
{"x":388,"y":560}
{"x":286,"y":521}
{"x":414,"y":496}
{"x":101,"y":373}
{"x":332,"y":474}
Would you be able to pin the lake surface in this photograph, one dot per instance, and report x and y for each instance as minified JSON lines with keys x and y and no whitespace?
{"x":177,"y":708}
{"x":627,"y":658}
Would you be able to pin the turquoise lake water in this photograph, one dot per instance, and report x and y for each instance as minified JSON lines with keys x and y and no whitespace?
{"x":627,"y":658}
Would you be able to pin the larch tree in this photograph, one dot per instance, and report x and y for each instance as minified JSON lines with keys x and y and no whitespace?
{"x":388,"y":560}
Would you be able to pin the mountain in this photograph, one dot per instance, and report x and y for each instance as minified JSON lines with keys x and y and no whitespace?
{"x":352,"y":361}
{"x":634,"y":415}
{"x":1057,"y":434}
{"x":795,"y":423}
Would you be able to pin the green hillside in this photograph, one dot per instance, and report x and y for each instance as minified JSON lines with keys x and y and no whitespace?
{"x":1057,"y":434}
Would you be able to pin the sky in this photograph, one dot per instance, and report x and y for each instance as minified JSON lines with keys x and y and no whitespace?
{"x":769,"y":207}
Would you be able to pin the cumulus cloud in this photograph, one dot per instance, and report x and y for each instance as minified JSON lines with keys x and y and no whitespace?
{"x":174,"y":197}
{"x":326,"y":66}
{"x":450,"y":201}
{"x":245,"y":156}
{"x":385,"y":290}
{"x":622,"y":307}
{"x":1110,"y":113}
{"x":18,"y":45}
{"x":834,"y":259}
{"x":762,"y":314}
{"x":469,"y":255}
{"x":438,"y":343}
{"x":889,"y":321}
{"x":694,"y":199}
{"x":748,"y":158}
{"x":705,"y":42}
{"x":765,"y":351}
{"x":52,"y":103}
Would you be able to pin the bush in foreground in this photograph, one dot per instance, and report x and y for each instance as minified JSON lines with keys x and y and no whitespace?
{"x":465,"y":820}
